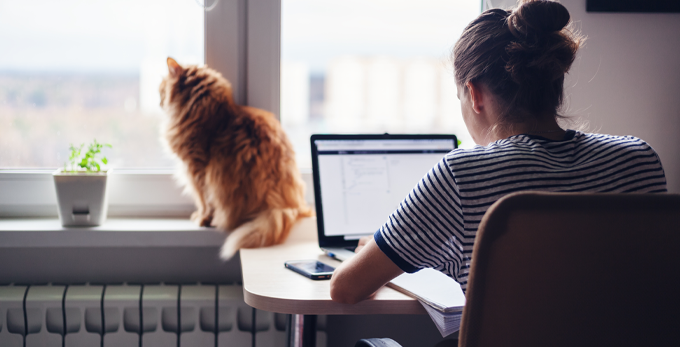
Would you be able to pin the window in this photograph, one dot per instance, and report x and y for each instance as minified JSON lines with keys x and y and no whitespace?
{"x":370,"y":66}
{"x":107,"y":48}
{"x":231,"y":30}
{"x":74,"y":70}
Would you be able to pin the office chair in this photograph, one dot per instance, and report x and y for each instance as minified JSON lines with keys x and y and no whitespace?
{"x":558,"y":269}
{"x":555,"y":269}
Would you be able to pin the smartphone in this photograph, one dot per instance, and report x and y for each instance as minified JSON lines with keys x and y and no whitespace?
{"x":313,"y":269}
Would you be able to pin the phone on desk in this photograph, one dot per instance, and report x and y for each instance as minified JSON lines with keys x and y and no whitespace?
{"x":313,"y":269}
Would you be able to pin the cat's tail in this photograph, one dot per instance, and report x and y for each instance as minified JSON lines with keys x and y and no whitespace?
{"x":271,"y":227}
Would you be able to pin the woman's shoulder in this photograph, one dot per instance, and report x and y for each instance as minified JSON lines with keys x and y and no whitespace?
{"x":622,"y":142}
{"x":575,"y":136}
{"x":574,"y":139}
{"x":516,"y":147}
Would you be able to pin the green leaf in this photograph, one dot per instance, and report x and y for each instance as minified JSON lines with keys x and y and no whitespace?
{"x":89,"y":159}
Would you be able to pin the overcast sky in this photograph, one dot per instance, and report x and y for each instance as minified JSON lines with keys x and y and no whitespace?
{"x":317,"y":30}
{"x":101,"y":35}
{"x":117,"y":35}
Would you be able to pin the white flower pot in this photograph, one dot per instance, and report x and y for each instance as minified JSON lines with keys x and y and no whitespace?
{"x":82,"y":197}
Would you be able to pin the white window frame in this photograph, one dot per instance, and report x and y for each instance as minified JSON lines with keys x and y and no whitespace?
{"x":242,"y":41}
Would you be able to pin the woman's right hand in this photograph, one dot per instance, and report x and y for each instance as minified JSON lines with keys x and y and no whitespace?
{"x":358,"y":277}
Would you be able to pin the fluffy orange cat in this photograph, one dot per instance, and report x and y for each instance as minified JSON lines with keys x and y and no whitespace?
{"x":238,"y":162}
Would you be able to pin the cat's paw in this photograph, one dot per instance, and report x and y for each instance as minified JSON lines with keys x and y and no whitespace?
{"x":201,"y":219}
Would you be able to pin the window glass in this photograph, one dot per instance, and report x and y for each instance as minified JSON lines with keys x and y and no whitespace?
{"x":75,"y":70}
{"x":370,"y":66}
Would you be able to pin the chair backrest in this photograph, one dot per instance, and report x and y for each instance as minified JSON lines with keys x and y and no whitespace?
{"x":555,"y":269}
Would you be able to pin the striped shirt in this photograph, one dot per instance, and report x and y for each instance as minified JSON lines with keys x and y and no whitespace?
{"x":436,"y":224}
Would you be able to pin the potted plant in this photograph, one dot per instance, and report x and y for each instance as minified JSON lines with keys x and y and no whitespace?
{"x":81,"y":187}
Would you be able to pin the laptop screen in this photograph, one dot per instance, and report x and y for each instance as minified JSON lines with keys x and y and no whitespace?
{"x":359,"y":181}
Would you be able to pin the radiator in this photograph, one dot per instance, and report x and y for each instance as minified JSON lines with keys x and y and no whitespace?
{"x":138,"y":315}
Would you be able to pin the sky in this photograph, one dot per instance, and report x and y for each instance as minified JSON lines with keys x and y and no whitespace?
{"x":316,"y":31}
{"x":117,"y":35}
{"x":97,"y":35}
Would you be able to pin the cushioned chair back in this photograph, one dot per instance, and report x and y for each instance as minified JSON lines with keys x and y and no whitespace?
{"x":552,"y":269}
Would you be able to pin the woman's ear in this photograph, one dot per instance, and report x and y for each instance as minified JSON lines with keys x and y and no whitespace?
{"x":476,"y":96}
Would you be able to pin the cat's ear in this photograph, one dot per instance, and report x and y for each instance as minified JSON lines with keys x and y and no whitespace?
{"x":173,"y":67}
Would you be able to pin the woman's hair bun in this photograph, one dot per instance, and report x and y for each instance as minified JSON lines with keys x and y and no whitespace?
{"x":520,"y":55}
{"x":538,"y":17}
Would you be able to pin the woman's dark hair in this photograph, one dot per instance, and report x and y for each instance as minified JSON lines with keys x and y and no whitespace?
{"x":521,"y":56}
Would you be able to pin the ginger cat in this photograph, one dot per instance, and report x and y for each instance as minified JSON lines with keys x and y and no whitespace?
{"x":238,"y":163}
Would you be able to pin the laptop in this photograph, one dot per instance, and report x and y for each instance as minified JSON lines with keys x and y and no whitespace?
{"x":359,"y":180}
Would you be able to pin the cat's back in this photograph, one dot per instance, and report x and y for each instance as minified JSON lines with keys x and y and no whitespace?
{"x":258,"y":114}
{"x":259,"y":124}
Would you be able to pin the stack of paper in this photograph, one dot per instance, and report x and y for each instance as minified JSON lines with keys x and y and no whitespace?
{"x":441,"y":296}
{"x":447,"y":322}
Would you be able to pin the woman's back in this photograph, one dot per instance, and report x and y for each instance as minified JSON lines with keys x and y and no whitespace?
{"x":435,"y":226}
{"x":581,"y":162}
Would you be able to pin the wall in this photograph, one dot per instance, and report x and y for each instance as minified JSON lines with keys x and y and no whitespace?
{"x":626,"y":79}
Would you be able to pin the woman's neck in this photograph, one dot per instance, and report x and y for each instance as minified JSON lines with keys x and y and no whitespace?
{"x":547,"y":128}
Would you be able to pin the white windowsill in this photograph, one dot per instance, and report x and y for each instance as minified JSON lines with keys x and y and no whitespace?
{"x":132,"y":194}
{"x":125,"y":232}
{"x":115,"y":232}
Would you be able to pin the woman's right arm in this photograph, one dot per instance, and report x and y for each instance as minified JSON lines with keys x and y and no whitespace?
{"x":362,"y":275}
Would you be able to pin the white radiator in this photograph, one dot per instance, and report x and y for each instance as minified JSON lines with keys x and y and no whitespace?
{"x":138,"y":316}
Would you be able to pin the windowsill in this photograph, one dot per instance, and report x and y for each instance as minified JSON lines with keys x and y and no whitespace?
{"x":144,"y":250}
{"x":115,"y":232}
{"x":132,"y":194}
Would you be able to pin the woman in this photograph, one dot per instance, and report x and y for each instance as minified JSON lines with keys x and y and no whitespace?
{"x":509,"y":69}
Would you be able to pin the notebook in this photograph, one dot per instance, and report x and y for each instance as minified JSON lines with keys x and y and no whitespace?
{"x":359,"y":180}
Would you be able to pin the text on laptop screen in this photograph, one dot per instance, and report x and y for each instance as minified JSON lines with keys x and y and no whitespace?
{"x":363,"y":181}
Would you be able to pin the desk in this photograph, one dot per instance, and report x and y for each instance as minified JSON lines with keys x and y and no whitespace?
{"x":269,"y":286}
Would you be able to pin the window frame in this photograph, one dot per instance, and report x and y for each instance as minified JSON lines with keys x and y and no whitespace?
{"x":243,"y":41}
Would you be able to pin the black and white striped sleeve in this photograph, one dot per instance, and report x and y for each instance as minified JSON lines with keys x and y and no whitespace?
{"x":426,"y":229}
